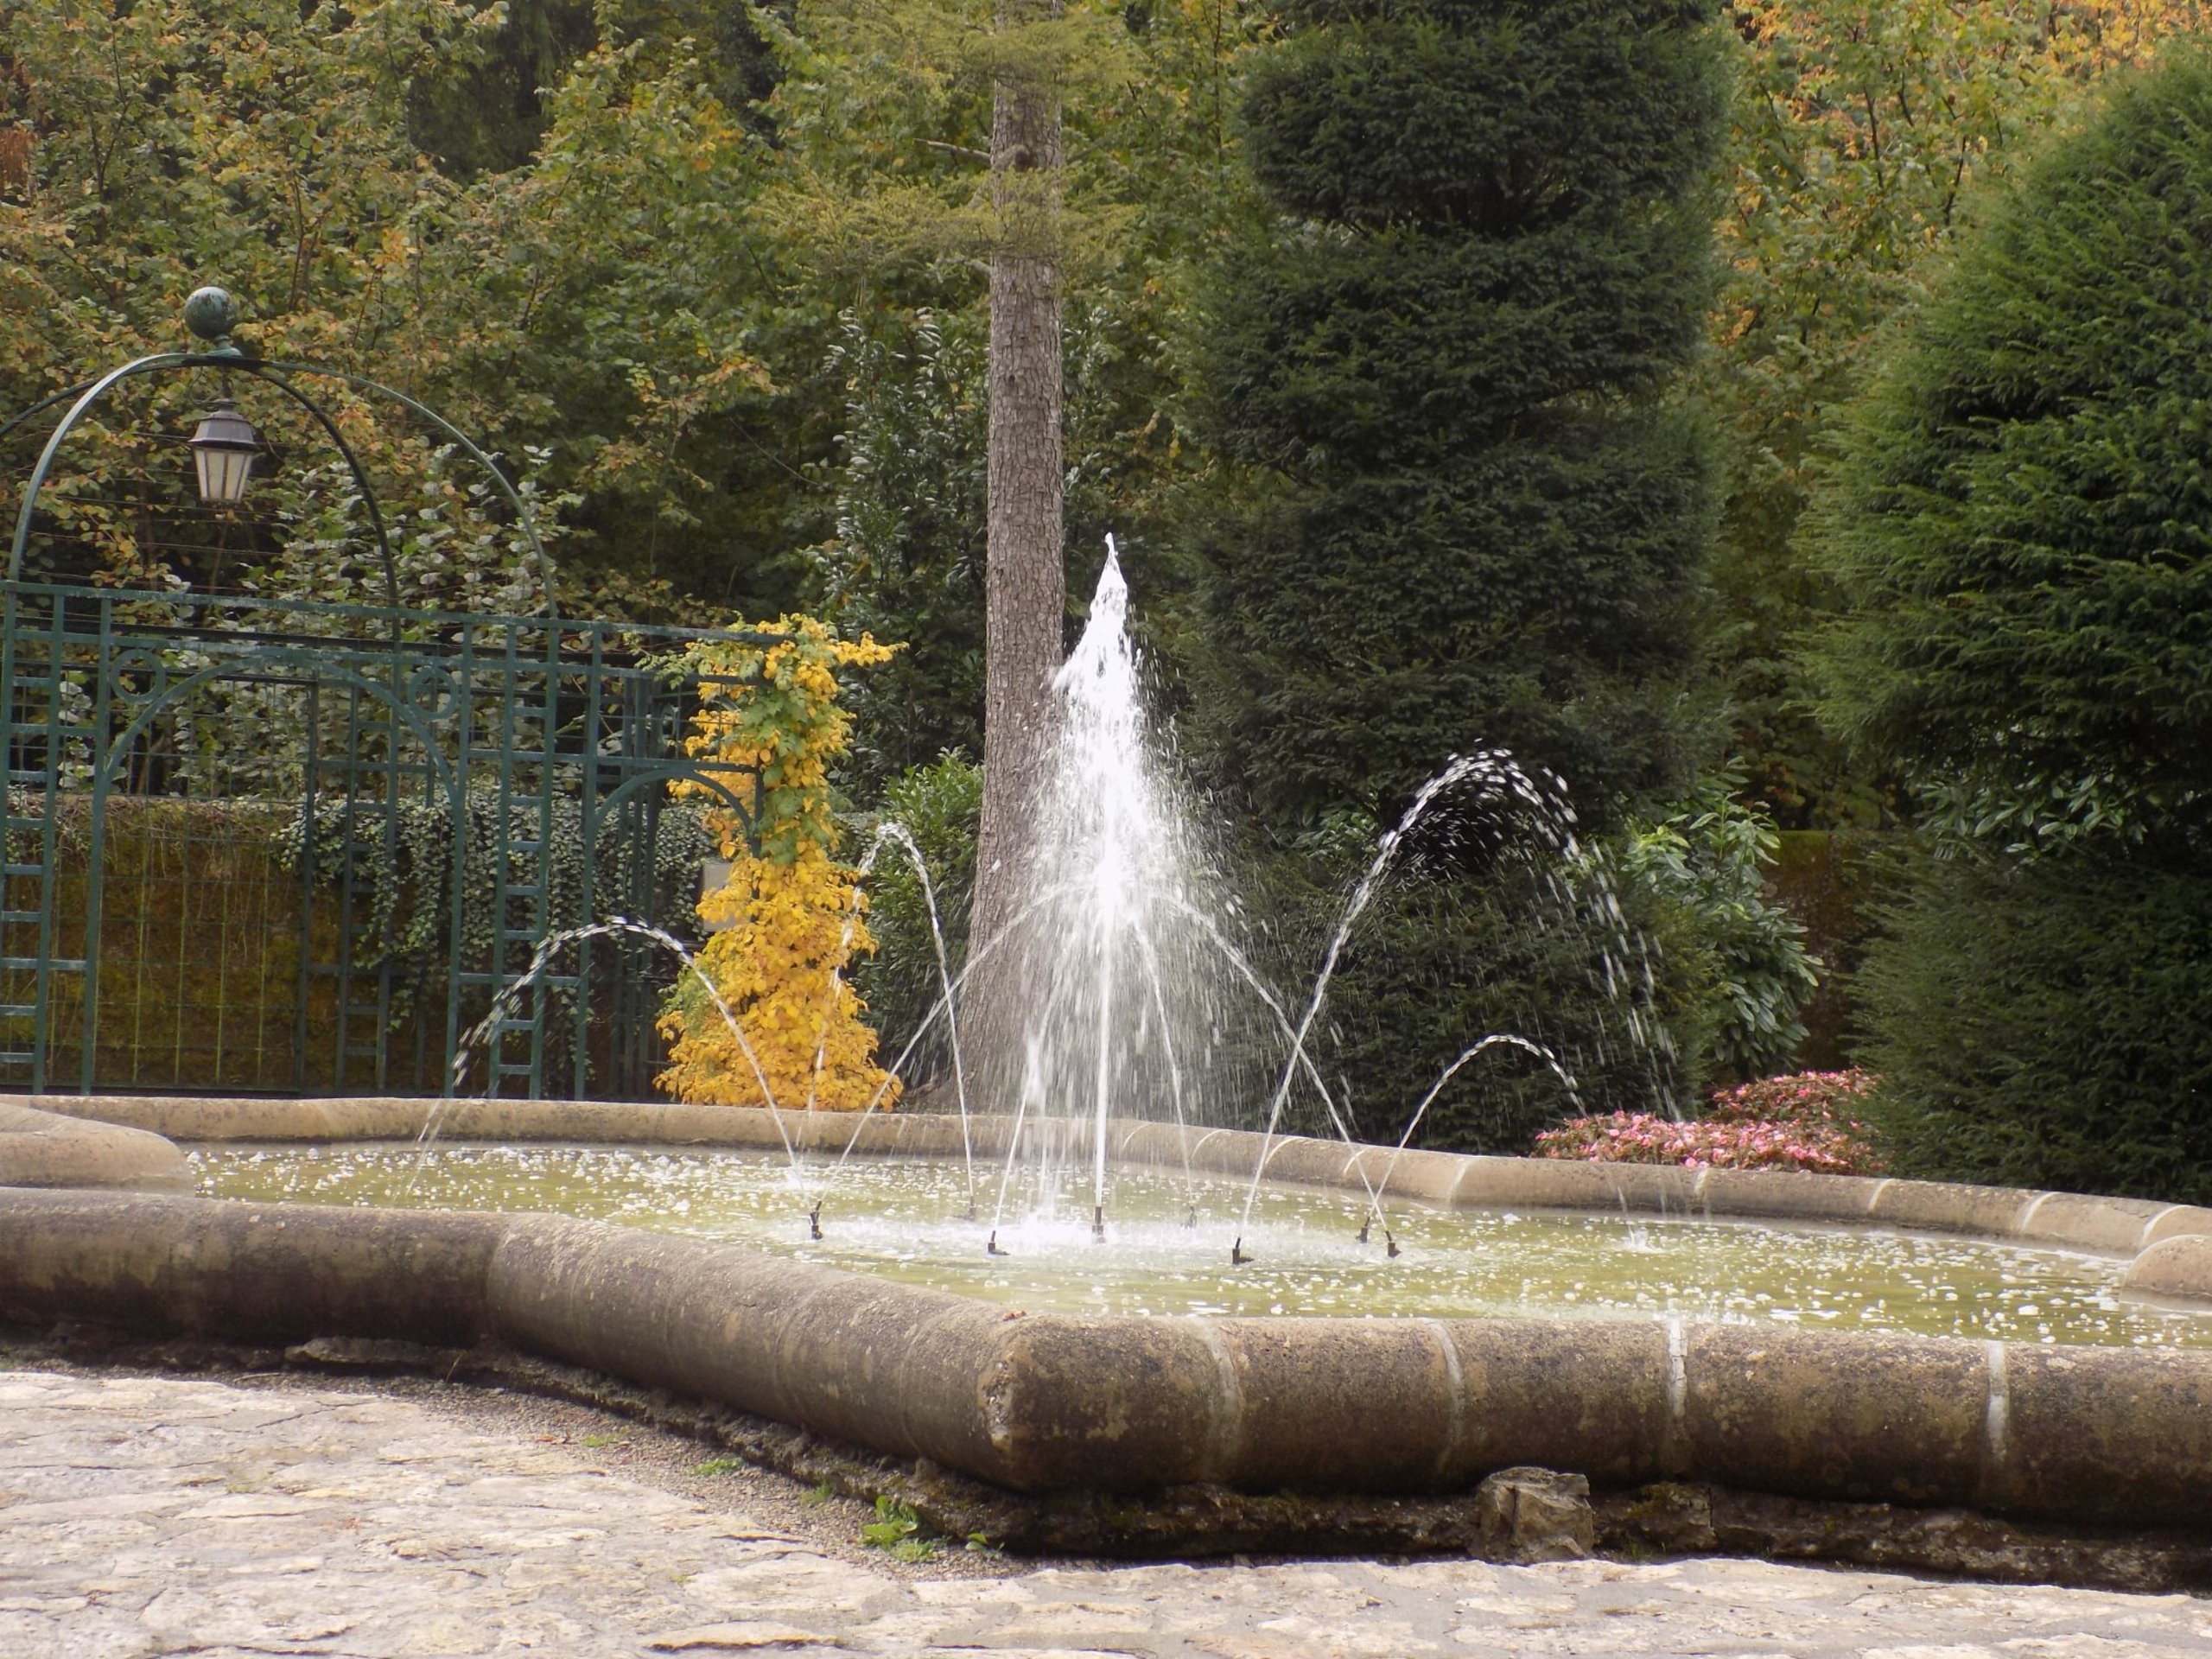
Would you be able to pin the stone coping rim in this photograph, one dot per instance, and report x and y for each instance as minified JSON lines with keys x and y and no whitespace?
{"x":1045,"y":1402}
{"x":40,"y":1148}
{"x":1039,"y":1402}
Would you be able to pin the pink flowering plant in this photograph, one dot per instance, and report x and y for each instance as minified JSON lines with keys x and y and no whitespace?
{"x":1808,"y":1121}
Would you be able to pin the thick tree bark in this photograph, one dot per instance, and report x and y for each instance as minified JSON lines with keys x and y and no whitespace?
{"x":1024,"y":584}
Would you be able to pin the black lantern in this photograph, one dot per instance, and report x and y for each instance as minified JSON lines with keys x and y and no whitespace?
{"x":223,"y":449}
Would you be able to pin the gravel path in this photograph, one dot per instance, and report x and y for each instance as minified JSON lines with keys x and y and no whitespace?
{"x":147,"y":1517}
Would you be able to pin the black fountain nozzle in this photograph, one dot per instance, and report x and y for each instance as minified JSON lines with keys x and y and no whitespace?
{"x":814,"y":1220}
{"x":1190,"y":1225}
{"x":1236,"y":1256}
{"x":991,"y":1244}
{"x":1098,"y":1223}
{"x":1365,"y":1222}
{"x":1394,"y":1251}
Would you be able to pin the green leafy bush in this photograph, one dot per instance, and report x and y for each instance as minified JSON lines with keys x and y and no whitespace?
{"x":1744,"y":957}
{"x":2044,"y":1023}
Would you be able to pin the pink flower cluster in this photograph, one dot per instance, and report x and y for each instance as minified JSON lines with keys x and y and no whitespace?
{"x":1803,"y":1121}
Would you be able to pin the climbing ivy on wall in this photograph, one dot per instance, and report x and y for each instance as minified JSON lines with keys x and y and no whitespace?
{"x":408,"y":885}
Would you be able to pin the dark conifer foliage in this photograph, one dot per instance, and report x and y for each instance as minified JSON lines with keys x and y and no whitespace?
{"x":1463,"y":507}
{"x":2042,"y":1022}
{"x":2020,"y":517}
{"x":2020,"y":521}
{"x":1474,"y":516}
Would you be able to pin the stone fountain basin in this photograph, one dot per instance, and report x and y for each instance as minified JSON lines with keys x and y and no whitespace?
{"x":1043,"y":1403}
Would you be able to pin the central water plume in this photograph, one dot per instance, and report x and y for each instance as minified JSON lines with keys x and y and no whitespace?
{"x":1125,"y":991}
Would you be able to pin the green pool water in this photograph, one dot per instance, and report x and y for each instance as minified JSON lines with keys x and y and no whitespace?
{"x":908,"y":1221}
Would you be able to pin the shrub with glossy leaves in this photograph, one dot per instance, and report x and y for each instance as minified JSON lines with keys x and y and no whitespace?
{"x":1742,"y":955}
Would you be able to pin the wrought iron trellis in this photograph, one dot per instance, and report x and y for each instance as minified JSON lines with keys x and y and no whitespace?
{"x":345,"y":738}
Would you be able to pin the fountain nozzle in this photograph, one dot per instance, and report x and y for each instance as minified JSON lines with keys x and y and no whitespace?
{"x":1365,"y":1222}
{"x":1392,"y":1242}
{"x":814,"y":1220}
{"x":1098,"y":1223}
{"x":1192,"y":1224}
{"x":1236,"y":1256}
{"x":991,"y":1244}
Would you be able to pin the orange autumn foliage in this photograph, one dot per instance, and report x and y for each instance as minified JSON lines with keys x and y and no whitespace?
{"x":791,"y":917}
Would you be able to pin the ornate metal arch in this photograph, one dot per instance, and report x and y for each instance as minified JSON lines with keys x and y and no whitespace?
{"x":228,"y":359}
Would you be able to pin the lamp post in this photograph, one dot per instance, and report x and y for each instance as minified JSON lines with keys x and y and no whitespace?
{"x":223,"y":447}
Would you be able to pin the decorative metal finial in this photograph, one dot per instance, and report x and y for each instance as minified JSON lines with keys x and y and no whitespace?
{"x":211,"y":314}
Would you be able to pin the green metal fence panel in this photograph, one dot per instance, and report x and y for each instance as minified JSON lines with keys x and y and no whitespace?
{"x":266,"y":845}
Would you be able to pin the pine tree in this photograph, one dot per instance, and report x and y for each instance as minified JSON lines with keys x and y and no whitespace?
{"x":1474,"y":516}
{"x":2018,"y":516}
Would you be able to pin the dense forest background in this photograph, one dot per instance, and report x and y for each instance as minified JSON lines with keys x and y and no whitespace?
{"x":702,"y":276}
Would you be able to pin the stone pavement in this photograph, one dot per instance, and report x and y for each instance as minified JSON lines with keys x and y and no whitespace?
{"x":147,"y":1517}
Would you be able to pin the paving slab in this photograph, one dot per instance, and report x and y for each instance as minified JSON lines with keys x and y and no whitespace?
{"x":143,"y":1516}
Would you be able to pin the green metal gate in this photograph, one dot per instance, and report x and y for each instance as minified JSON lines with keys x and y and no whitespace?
{"x":257,"y":844}
{"x":432,"y":796}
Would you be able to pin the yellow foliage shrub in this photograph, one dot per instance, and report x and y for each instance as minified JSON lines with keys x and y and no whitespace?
{"x":792,"y":918}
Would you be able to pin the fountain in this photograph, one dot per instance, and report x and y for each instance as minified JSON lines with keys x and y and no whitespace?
{"x":1126,"y":945}
{"x":2042,"y":1357}
{"x":1122,"y":948}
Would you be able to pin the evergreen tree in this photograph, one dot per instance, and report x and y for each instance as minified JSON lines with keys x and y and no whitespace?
{"x":2017,"y":516}
{"x":1470,"y":512}
{"x":2041,"y":1022}
{"x":1476,"y":518}
{"x":2018,"y":521}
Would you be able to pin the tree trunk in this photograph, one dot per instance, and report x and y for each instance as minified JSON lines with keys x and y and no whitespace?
{"x":1025,"y":584}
